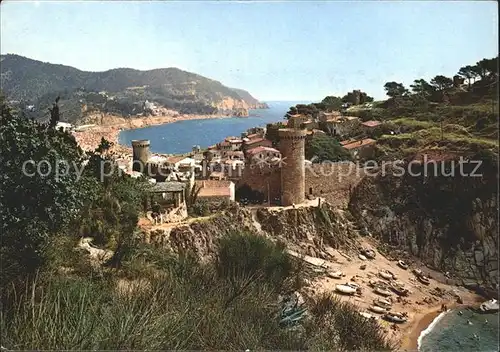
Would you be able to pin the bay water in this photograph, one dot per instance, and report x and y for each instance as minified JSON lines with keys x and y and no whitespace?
{"x":180,"y":137}
{"x":470,"y":331}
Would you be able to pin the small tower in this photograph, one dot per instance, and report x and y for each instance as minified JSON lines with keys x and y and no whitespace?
{"x":292,"y":148}
{"x":140,"y":150}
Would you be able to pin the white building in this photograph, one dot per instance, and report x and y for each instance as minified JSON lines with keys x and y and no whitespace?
{"x":66,"y":127}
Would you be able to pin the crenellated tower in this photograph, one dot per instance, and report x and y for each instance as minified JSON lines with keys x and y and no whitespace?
{"x":292,"y":148}
{"x":141,"y":154}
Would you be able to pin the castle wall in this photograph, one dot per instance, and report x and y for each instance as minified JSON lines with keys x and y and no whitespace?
{"x":258,"y":179}
{"x":292,"y":147}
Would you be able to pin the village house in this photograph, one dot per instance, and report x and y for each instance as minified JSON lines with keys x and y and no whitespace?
{"x":233,"y":155}
{"x":174,"y":161}
{"x":361,"y":149}
{"x":216,"y":190}
{"x":224,"y":145}
{"x":257,"y":142}
{"x":259,"y":154}
{"x":235,"y":143}
{"x":213,"y":154}
{"x":337,"y":124}
{"x":64,"y":126}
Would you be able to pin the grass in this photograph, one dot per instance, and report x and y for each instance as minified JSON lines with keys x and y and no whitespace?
{"x":182,"y":304}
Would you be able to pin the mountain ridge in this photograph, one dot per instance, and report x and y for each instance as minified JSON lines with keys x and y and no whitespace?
{"x":123,"y":91}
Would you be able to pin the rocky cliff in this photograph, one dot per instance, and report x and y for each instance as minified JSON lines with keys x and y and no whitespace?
{"x":309,"y":230}
{"x":450,"y":222}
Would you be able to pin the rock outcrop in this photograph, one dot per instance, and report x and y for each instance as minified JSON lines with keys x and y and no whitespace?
{"x":309,"y":230}
{"x":449,"y":222}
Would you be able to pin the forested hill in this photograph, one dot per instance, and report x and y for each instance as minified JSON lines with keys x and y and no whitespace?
{"x":122,"y":90}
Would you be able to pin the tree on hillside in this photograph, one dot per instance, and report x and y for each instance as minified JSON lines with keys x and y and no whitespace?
{"x":325,"y":148}
{"x":54,"y":114}
{"x":486,"y":68}
{"x":442,"y":83}
{"x":468,"y":73}
{"x":34,"y":204}
{"x":422,"y":88}
{"x":332,"y":103}
{"x":395,"y":90}
{"x":310,"y":110}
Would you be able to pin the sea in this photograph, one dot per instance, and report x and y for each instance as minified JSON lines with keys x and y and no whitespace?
{"x":452,"y":332}
{"x":180,"y":137}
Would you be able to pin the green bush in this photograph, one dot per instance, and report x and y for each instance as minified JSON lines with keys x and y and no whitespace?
{"x":245,"y":255}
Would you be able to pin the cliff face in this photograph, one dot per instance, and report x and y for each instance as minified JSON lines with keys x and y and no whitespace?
{"x":230,"y":106}
{"x":309,"y":230}
{"x":450,"y":222}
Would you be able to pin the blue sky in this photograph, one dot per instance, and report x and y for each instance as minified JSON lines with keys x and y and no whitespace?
{"x":276,"y":50}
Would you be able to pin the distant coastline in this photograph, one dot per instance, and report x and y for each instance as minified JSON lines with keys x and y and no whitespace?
{"x":90,"y":138}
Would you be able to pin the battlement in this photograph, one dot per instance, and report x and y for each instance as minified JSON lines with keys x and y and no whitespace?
{"x":141,"y":143}
{"x":292,"y":133}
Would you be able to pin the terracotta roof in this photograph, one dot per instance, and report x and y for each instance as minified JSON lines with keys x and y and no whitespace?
{"x":347,"y":141}
{"x":214,"y":192}
{"x":258,"y":140}
{"x":261,"y":149}
{"x":175,"y":159}
{"x":371,"y":123}
{"x":224,"y":144}
{"x":254,"y":135}
{"x":361,"y":143}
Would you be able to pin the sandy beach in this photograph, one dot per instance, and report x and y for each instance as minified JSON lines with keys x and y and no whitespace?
{"x":422,"y":305}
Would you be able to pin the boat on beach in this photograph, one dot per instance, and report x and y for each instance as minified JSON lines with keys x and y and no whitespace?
{"x":382,"y":291}
{"x":368,"y":315}
{"x":402,"y":265}
{"x":378,"y":309}
{"x":399,"y":289}
{"x":385,"y":275}
{"x":490,"y":306}
{"x":336,"y":274}
{"x":423,"y":279}
{"x":396,"y":317}
{"x":347,"y":289}
{"x":383,"y":303}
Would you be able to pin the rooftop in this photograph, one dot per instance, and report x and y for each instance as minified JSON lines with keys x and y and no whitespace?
{"x":171,"y":186}
{"x":175,"y":159}
{"x":360,"y":143}
{"x":157,"y":159}
{"x":371,"y":123}
{"x":213,"y":188}
{"x":257,"y":140}
{"x":212,"y":183}
{"x":253,"y":136}
{"x":262,"y":149}
{"x":224,"y":144}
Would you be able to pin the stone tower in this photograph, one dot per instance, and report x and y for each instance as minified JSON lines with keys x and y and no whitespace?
{"x":292,"y":148}
{"x":140,"y":149}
